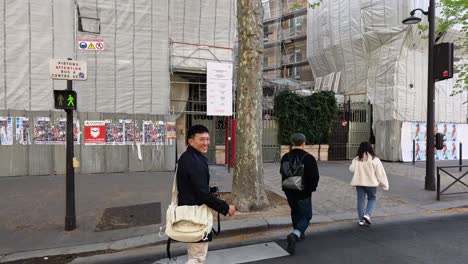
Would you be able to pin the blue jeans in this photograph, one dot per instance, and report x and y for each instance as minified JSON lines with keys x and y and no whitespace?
{"x":301,"y":213}
{"x":362,"y":192}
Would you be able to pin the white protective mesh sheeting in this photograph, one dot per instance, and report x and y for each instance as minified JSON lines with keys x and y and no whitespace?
{"x":334,"y":43}
{"x":129,"y":76}
{"x":42,"y":48}
{"x":201,"y":31}
{"x":3,"y":85}
{"x":63,"y":37}
{"x":16,"y":61}
{"x":32,"y":32}
{"x":380,"y":56}
{"x":160,"y":95}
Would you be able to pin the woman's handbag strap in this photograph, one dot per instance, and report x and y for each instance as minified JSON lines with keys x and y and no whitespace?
{"x":174,"y":188}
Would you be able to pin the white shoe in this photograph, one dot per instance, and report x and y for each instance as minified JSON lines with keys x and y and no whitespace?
{"x":366,"y":218}
{"x":361,"y":222}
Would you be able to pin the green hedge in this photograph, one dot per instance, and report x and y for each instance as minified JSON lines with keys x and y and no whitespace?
{"x":311,"y":115}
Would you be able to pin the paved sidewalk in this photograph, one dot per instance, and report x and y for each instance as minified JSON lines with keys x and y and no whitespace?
{"x":33,"y":208}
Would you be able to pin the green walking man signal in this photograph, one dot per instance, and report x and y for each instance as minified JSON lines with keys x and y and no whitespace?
{"x":65,"y":99}
{"x":71,"y":100}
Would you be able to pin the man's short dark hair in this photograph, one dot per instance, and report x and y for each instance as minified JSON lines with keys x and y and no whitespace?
{"x":196,"y":129}
{"x":297,"y":139}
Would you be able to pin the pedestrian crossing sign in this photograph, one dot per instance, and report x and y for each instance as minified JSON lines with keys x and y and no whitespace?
{"x":65,"y":99}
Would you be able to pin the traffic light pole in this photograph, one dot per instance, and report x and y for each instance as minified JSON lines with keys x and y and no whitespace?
{"x":70,"y":216}
{"x":430,"y":162}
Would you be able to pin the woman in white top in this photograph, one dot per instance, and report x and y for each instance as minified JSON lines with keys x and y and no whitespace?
{"x":368,"y":173}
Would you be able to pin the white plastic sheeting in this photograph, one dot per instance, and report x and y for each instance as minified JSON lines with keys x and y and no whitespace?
{"x":31,"y":32}
{"x":130,"y":76}
{"x":378,"y":55}
{"x":201,"y":31}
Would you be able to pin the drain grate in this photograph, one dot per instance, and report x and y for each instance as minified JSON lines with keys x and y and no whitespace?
{"x":129,"y":216}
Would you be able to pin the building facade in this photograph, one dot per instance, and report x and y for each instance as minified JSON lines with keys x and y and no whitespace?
{"x":151,"y":61}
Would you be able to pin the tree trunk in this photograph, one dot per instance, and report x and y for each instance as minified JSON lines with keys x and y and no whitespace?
{"x":247,"y":186}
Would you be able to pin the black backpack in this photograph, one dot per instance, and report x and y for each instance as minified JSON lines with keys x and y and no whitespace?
{"x":293,"y":169}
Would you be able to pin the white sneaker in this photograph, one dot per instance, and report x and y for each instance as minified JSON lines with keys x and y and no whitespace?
{"x":361,"y":222}
{"x":366,"y":218}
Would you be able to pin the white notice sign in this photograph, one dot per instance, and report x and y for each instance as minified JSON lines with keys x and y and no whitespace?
{"x":61,"y":69}
{"x":219,"y":89}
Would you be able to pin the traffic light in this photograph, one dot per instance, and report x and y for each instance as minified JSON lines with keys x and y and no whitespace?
{"x":443,"y":61}
{"x":65,"y":99}
{"x":439,"y":141}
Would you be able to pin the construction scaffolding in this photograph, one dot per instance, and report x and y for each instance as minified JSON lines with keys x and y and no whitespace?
{"x":200,"y":32}
{"x":362,"y":47}
{"x":285,"y":32}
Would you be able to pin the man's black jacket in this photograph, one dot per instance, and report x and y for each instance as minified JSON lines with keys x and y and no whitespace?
{"x":311,"y":174}
{"x":193,"y":182}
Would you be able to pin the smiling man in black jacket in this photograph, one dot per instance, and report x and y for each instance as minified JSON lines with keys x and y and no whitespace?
{"x":300,"y":201}
{"x":193,"y":185}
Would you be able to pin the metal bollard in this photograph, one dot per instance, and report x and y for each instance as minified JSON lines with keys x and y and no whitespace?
{"x":438,"y":184}
{"x":460,"y":157}
{"x":229,"y":155}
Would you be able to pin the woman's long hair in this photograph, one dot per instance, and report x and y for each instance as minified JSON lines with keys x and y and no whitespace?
{"x":365,"y":147}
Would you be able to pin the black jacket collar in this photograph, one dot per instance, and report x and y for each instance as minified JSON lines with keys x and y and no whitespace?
{"x":197,"y":154}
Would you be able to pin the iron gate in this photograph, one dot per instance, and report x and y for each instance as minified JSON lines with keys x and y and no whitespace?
{"x":352,"y":126}
{"x":270,"y":145}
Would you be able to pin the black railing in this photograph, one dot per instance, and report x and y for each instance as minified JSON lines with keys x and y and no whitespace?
{"x":455,"y":177}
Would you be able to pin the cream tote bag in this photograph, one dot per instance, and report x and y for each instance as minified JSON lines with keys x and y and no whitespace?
{"x":187,"y":223}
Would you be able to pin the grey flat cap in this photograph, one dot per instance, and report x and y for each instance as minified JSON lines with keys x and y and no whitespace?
{"x":298,"y":139}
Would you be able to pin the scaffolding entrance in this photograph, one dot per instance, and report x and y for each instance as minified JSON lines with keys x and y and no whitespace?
{"x":188,"y":103}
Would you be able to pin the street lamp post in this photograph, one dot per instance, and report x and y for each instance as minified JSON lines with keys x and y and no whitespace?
{"x":429,"y":183}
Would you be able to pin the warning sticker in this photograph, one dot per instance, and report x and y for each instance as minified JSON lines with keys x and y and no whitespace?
{"x":95,"y":44}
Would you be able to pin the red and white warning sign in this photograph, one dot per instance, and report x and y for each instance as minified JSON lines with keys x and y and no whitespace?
{"x":94,"y":132}
{"x":91,"y":44}
{"x":344,"y":122}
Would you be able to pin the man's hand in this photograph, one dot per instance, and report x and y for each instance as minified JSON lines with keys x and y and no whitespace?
{"x":232,"y":210}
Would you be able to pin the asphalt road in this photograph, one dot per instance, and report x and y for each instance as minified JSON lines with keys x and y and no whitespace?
{"x":429,"y":239}
{"x":439,"y":240}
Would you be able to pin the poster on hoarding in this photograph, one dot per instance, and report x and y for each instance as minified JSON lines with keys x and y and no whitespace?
{"x":94,"y":132}
{"x":149,"y":133}
{"x":417,"y":131}
{"x":171,"y":132}
{"x":76,"y":131}
{"x":451,"y":144}
{"x":129,"y":131}
{"x":110,"y":132}
{"x":114,"y":132}
{"x":160,"y":127}
{"x":42,"y":130}
{"x":59,"y":132}
{"x":6,"y":130}
{"x":23,"y":131}
{"x":138,"y":131}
